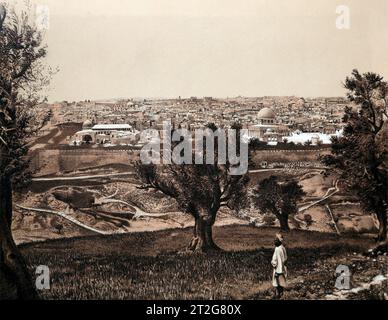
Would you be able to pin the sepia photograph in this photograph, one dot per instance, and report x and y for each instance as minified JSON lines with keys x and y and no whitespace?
{"x":193,"y":154}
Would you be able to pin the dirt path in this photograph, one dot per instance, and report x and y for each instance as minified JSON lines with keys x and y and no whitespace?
{"x":330,"y":192}
{"x":84,"y":177}
{"x":65,"y":216}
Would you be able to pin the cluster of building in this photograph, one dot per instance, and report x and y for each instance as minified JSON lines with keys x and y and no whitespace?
{"x":105,"y":134}
{"x":269,"y":119}
{"x":269,"y":130}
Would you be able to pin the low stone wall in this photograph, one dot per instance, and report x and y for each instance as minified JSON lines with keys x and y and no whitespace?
{"x":52,"y":161}
{"x":288,"y":156}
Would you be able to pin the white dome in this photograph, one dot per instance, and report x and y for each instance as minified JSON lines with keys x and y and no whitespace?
{"x":266,"y":113}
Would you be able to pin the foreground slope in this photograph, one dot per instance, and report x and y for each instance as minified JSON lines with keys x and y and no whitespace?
{"x":153,"y":265}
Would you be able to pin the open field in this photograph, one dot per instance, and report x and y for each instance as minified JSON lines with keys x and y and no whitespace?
{"x":153,"y":265}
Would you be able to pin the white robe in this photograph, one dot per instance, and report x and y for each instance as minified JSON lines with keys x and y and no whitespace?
{"x":278,"y":262}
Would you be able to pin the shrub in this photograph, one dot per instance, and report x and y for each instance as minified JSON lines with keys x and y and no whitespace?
{"x":308,"y":219}
{"x":269,"y":220}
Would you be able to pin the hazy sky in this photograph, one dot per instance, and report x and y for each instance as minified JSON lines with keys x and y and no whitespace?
{"x":166,"y":48}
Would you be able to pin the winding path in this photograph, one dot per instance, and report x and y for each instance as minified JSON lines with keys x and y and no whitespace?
{"x":109,"y":175}
{"x":335,"y":190}
{"x":129,"y":173}
{"x":65,"y":216}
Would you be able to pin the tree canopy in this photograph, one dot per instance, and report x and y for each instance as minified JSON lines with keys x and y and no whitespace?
{"x":278,"y":198}
{"x":200,"y":190}
{"x":23,"y":74}
{"x":360,"y":154}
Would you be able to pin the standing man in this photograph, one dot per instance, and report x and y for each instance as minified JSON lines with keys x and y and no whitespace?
{"x":279,"y":260}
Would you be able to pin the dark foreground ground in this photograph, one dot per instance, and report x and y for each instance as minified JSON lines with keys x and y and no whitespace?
{"x":152,"y":265}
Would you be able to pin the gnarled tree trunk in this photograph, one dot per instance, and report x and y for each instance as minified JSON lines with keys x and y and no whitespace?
{"x":381,"y":213}
{"x":203,"y":234}
{"x":382,"y":245}
{"x":15,"y":280}
{"x":283,"y":220}
{"x":382,"y":217}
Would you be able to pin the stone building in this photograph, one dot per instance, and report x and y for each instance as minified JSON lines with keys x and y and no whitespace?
{"x":267,"y":128}
{"x":104,"y":133}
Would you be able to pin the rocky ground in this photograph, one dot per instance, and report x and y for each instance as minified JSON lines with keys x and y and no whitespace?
{"x":113,"y":207}
{"x":368,"y":279}
{"x":82,"y":200}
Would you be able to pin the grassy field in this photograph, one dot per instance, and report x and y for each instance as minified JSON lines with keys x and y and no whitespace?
{"x":153,"y":265}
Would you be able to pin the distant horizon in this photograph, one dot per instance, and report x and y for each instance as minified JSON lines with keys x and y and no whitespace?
{"x":198,"y":97}
{"x":167,"y":48}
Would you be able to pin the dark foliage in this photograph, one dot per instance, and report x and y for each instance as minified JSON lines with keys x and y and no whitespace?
{"x":360,"y":155}
{"x":200,"y":190}
{"x":278,"y":198}
{"x":22,"y":75}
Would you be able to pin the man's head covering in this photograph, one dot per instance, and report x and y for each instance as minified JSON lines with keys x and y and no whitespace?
{"x":279,"y":237}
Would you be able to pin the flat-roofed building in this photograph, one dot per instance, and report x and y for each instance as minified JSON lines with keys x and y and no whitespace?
{"x":105,"y":133}
{"x":108,"y":128}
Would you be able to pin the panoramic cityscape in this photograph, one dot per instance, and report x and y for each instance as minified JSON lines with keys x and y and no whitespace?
{"x":84,"y":216}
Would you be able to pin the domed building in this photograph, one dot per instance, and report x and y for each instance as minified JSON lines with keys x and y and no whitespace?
{"x":266,"y":116}
{"x":87,"y":125}
{"x":267,"y":128}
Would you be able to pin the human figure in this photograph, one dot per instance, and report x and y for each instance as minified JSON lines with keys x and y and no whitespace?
{"x":279,"y":260}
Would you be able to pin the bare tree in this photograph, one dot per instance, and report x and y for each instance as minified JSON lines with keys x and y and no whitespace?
{"x":22,"y":75}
